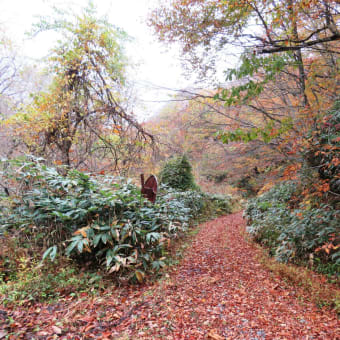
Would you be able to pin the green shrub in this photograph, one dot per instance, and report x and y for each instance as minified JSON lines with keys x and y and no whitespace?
{"x":247,"y":186}
{"x":293,"y":234}
{"x":95,"y":219}
{"x":323,"y":150}
{"x":37,"y":282}
{"x":217,"y":204}
{"x":177,"y":174}
{"x":102,"y":219}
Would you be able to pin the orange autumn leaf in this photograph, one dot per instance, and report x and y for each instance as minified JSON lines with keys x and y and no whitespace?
{"x":82,"y":231}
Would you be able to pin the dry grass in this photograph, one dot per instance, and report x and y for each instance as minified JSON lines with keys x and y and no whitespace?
{"x":319,"y":290}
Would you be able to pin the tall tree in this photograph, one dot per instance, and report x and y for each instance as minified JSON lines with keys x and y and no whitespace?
{"x":83,"y":114}
{"x":206,"y":27}
{"x":10,"y":68}
{"x":289,"y":51}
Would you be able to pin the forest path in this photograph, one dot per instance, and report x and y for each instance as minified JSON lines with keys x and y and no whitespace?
{"x":219,"y":291}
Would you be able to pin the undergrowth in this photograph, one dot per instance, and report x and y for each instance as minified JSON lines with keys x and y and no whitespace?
{"x":303,"y":233}
{"x":299,"y":220}
{"x":35,"y":281}
{"x":101,"y":223}
{"x":319,"y":291}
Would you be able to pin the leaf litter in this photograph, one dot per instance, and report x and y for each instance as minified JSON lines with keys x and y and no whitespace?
{"x":219,"y":291}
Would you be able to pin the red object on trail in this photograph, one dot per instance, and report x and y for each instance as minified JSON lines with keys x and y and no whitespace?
{"x":149,"y":188}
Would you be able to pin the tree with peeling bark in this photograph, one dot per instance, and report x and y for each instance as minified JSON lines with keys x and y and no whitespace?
{"x":83,"y":116}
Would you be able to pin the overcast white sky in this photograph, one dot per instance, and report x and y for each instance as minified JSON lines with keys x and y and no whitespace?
{"x":157,"y":66}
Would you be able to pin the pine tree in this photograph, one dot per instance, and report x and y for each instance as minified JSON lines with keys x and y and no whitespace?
{"x":177,"y":173}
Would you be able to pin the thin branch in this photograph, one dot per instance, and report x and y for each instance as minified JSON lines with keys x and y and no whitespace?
{"x":273,"y":49}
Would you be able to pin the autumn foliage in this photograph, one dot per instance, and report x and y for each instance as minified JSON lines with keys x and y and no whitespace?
{"x":265,"y":127}
{"x":83,"y":116}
